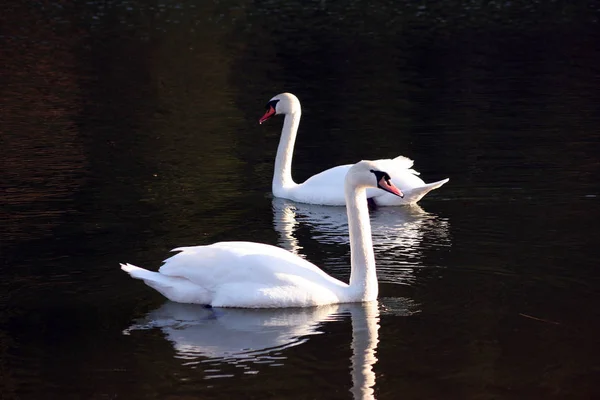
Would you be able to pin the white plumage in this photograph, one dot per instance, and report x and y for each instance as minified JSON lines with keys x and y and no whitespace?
{"x":327,"y":187}
{"x":257,"y":275}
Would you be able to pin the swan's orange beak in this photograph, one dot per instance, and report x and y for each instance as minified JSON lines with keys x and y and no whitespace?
{"x":270,"y":112}
{"x":388,"y":186}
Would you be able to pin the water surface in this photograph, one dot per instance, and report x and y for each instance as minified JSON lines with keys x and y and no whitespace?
{"x":129,"y":129}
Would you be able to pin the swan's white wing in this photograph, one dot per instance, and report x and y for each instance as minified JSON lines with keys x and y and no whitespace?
{"x":246,"y":274}
{"x":405,"y":178}
{"x":401,"y":172}
{"x":325,"y":188}
{"x":247,"y":261}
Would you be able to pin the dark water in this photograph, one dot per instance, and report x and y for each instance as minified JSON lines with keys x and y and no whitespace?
{"x":130,"y":128}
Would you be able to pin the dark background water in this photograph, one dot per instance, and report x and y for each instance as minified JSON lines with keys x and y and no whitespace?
{"x":129,"y":128}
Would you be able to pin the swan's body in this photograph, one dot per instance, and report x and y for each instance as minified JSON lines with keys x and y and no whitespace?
{"x":256,"y":275}
{"x":327,"y":187}
{"x":242,"y":274}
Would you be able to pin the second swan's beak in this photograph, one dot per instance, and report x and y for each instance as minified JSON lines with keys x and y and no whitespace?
{"x":388,"y":186}
{"x":270,"y":112}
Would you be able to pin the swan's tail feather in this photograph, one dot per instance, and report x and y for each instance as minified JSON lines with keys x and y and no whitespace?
{"x":138,"y":273}
{"x":155,"y":280}
{"x":173,"y":288}
{"x":435,"y":185}
{"x":417,"y":193}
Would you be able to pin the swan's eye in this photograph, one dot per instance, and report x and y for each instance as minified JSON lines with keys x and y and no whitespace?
{"x":388,"y":179}
{"x":272,"y":104}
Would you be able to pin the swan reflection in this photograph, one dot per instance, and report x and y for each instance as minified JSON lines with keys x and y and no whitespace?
{"x":214,"y":338}
{"x":233,"y":335}
{"x":399,"y":233}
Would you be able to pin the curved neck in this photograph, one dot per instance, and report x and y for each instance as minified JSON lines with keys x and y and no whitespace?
{"x":363,"y":277}
{"x":282,"y":176}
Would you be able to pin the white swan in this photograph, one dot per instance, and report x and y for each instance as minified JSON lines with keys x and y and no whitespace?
{"x":327,"y":187}
{"x":256,"y":275}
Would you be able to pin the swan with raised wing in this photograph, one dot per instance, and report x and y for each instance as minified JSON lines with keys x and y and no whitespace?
{"x":257,"y":275}
{"x":327,"y":187}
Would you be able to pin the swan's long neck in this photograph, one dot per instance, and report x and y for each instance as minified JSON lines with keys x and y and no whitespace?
{"x":282,"y":177}
{"x":363,"y":277}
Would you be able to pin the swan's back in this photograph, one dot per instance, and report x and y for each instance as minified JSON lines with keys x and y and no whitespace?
{"x":401,"y":171}
{"x":242,"y":274}
{"x":212,"y":265}
{"x":327,"y":187}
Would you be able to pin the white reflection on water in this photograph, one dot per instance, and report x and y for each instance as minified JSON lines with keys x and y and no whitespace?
{"x":214,"y":337}
{"x":234,"y":336}
{"x":400,"y":234}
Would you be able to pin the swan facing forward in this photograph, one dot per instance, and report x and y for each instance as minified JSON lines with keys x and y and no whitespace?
{"x":327,"y":187}
{"x":257,"y":275}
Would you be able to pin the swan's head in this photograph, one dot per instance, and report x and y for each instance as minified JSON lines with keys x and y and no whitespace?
{"x":283,"y":103}
{"x":369,"y":175}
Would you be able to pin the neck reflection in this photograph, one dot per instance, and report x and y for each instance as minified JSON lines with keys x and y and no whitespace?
{"x":214,"y":339}
{"x":400,"y":235}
